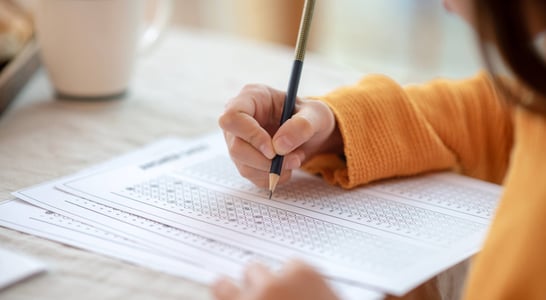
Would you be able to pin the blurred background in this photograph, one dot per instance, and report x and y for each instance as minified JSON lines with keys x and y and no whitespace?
{"x":411,"y":41}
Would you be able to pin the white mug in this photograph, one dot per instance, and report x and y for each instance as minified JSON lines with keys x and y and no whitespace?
{"x":89,"y":47}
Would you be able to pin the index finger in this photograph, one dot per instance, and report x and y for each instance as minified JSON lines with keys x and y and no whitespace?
{"x":250,"y":114}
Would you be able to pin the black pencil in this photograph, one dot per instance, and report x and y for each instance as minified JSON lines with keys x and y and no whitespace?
{"x":291,"y":93}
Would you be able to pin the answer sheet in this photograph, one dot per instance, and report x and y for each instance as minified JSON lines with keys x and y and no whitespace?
{"x":27,"y":218}
{"x":389,"y":236}
{"x":84,"y":223}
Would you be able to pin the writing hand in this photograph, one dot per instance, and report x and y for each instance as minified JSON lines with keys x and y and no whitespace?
{"x":251,"y":128}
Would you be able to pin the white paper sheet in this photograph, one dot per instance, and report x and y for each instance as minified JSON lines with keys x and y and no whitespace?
{"x":167,"y":240}
{"x":34,"y":220}
{"x":168,"y":243}
{"x":24,"y":217}
{"x":15,"y":267}
{"x":391,"y":235}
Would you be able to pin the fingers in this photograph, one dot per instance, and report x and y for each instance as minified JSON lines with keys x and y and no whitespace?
{"x":257,"y":275}
{"x":261,"y":177}
{"x":225,"y":289}
{"x":294,"y":160}
{"x":240,"y":150}
{"x":246,"y":128}
{"x":310,"y":283}
{"x":260,"y":283}
{"x":313,"y":122}
{"x":287,"y":138}
{"x":251,"y":114}
{"x":296,"y":280}
{"x":299,"y":270}
{"x":244,"y":153}
{"x":250,"y":163}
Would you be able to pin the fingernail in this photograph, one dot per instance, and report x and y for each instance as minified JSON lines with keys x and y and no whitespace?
{"x":267,"y":151}
{"x":283,"y":145}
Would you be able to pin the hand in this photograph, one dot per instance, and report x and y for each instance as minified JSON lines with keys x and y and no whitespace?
{"x":296,"y":281}
{"x":251,"y":128}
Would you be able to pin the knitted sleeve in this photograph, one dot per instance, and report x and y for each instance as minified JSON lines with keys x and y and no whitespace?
{"x":392,"y":131}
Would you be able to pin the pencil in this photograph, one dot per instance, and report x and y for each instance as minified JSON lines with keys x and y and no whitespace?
{"x":291,"y":93}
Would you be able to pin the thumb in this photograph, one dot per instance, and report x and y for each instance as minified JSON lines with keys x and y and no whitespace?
{"x":304,"y":125}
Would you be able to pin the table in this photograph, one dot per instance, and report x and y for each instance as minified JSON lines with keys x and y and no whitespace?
{"x":179,"y":89}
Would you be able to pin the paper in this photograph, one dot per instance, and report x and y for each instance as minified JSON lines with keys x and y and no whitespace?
{"x":174,"y":251}
{"x":391,"y":236}
{"x":34,"y":220}
{"x":16,"y":267}
{"x":30,"y":219}
{"x":217,"y":257}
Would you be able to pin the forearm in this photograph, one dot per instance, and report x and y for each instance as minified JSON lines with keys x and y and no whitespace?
{"x":470,"y":119}
{"x":390,"y":131}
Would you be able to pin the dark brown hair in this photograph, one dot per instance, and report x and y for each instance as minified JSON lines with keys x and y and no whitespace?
{"x":504,"y":22}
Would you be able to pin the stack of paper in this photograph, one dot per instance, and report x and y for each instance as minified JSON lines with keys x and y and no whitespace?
{"x":181,"y":207}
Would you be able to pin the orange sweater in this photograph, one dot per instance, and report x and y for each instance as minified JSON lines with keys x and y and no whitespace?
{"x":459,"y":125}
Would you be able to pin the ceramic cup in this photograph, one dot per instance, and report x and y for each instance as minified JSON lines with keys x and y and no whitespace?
{"x":89,"y":47}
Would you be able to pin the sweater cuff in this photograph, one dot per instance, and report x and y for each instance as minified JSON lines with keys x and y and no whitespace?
{"x":384,"y":135}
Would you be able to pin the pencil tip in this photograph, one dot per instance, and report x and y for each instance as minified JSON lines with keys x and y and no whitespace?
{"x":273,"y":179}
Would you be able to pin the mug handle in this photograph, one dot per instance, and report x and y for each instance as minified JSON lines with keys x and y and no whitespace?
{"x":156,"y":27}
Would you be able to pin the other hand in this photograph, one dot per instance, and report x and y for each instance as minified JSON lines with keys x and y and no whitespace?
{"x":296,"y":281}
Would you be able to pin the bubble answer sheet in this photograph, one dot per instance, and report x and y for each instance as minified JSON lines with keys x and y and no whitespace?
{"x":135,"y":239}
{"x":188,"y":198}
{"x":34,"y":220}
